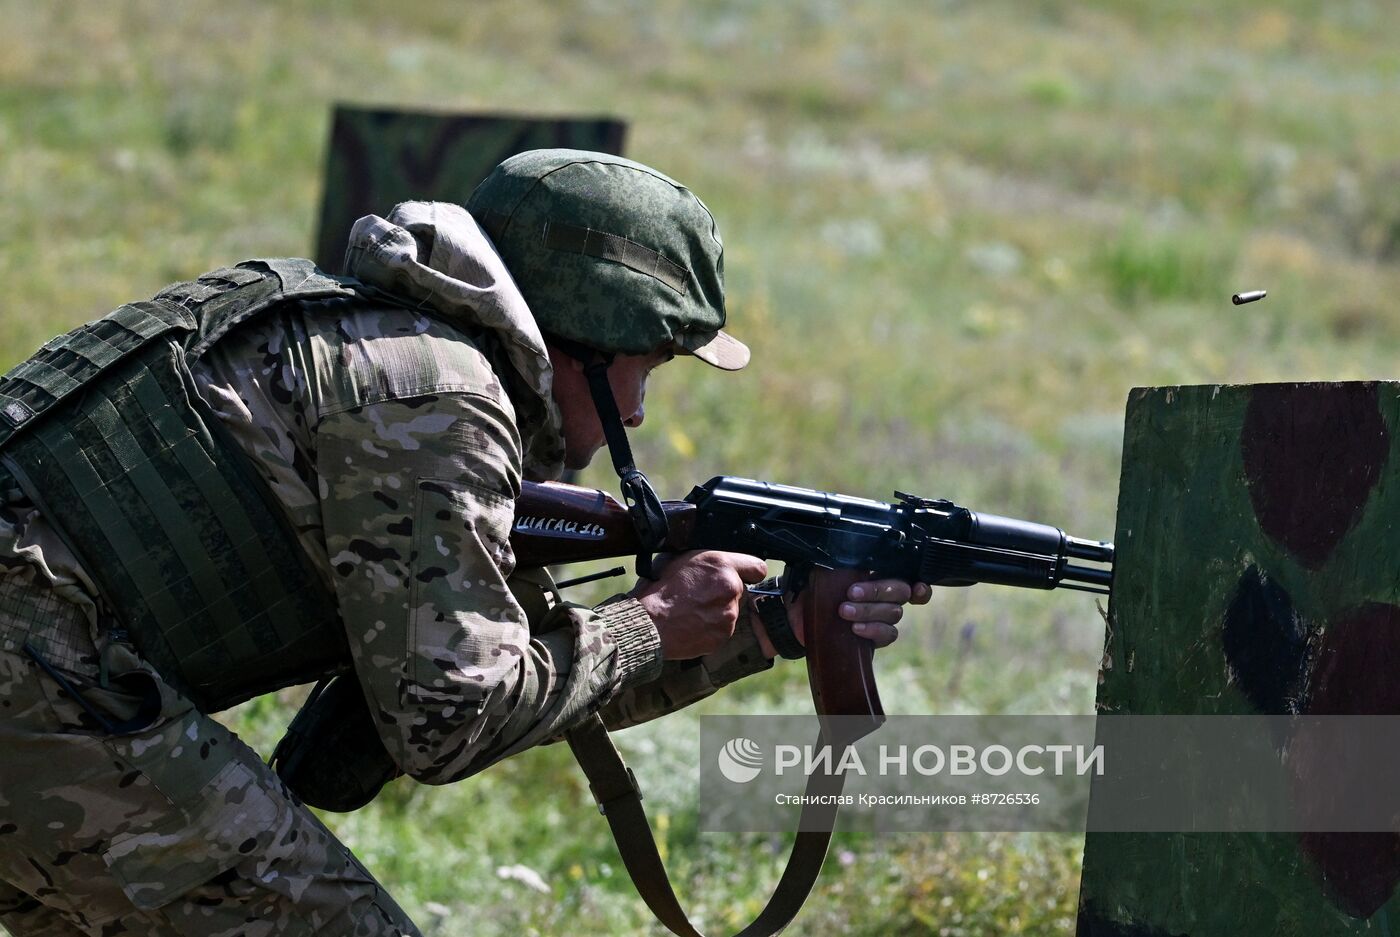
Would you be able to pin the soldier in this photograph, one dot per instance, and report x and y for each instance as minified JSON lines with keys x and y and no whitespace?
{"x":268,"y":475}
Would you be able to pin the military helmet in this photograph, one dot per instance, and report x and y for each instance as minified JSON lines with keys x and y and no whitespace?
{"x":610,"y":254}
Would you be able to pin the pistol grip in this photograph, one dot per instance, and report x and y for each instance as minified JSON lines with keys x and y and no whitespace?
{"x":840,"y":663}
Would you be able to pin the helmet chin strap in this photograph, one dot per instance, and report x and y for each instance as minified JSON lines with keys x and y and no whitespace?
{"x":643,"y":503}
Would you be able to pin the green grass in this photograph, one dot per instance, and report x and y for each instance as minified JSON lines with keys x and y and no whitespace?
{"x":958,"y":234}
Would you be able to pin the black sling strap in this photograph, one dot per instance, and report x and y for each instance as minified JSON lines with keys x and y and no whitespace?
{"x":643,"y":503}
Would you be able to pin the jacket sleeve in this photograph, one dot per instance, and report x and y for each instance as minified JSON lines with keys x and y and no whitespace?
{"x":418,"y":503}
{"x":683,"y":682}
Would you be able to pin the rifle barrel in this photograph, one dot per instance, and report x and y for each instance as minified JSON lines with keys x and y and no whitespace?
{"x":1099,"y":551}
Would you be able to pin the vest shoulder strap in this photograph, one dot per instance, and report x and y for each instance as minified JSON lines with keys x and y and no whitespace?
{"x":223,"y":299}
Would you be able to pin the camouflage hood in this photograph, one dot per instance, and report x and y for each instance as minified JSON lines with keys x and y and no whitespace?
{"x":436,"y":253}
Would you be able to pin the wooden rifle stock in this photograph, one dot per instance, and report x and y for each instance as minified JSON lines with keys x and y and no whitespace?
{"x":557,"y":523}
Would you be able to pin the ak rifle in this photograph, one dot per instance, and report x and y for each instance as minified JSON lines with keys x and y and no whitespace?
{"x":826,"y":542}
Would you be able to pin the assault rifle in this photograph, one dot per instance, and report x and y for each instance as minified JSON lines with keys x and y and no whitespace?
{"x":827,"y":541}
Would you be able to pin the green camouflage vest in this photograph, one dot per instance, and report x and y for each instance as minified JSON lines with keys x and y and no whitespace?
{"x":104,"y":430}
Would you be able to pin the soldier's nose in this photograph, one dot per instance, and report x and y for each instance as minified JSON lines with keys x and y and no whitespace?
{"x":635,"y":419}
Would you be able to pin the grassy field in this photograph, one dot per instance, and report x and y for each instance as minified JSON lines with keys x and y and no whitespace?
{"x":957,"y":234}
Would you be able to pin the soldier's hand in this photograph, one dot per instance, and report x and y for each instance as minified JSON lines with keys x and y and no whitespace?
{"x":695,"y":602}
{"x":874,"y":608}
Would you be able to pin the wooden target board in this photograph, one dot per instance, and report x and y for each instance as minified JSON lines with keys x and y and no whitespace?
{"x":1258,"y":572}
{"x":380,"y":157}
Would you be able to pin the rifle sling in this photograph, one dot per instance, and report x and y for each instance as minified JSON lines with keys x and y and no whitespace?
{"x":643,"y":503}
{"x":615,"y":789}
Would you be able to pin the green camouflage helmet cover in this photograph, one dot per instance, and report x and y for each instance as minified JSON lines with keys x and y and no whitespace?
{"x":610,"y":253}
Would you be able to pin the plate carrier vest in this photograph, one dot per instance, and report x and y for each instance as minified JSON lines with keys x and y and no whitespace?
{"x":104,"y":430}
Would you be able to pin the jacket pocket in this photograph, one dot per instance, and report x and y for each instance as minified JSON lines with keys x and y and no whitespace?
{"x":229,"y":820}
{"x":465,"y":631}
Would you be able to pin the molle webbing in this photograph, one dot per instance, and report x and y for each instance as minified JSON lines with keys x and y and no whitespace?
{"x":69,"y":361}
{"x":164,"y":510}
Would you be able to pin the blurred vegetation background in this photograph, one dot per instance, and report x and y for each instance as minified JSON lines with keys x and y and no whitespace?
{"x":957,"y":234}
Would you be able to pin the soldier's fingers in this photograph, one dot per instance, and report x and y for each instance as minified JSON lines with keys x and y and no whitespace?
{"x":879,"y":633}
{"x":880,"y":590}
{"x":750,"y":568}
{"x":922,"y":593}
{"x":887,"y":612}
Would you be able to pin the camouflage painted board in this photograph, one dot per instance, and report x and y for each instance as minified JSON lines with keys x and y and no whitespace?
{"x":378,"y":158}
{"x":1258,"y":573}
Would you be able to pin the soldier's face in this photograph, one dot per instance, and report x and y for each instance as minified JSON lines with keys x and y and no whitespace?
{"x":583,"y":432}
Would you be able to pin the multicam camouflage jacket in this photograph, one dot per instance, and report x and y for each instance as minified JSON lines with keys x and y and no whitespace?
{"x":396,"y":443}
